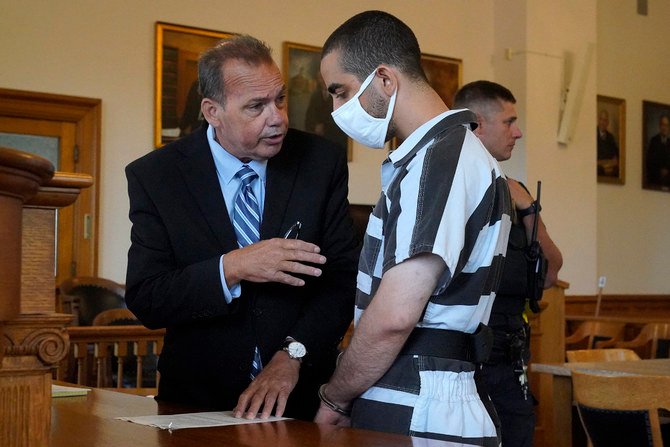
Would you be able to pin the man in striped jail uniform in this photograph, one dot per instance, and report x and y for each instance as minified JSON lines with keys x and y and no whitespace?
{"x":433,"y":249}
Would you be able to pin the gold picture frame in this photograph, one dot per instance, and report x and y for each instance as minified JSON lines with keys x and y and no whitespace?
{"x":309,"y":104}
{"x":177,"y":101}
{"x":611,"y":139}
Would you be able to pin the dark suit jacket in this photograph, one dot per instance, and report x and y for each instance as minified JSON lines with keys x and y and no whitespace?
{"x":181,"y":228}
{"x":658,"y":159}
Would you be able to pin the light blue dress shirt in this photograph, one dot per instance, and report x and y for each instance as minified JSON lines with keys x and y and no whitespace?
{"x":227,"y":166}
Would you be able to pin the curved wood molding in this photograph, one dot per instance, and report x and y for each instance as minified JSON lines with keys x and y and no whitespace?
{"x":62,"y":190}
{"x":22,"y":173}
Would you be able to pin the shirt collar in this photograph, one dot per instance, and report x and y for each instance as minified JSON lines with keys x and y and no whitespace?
{"x":227,"y":164}
{"x":416,"y":136}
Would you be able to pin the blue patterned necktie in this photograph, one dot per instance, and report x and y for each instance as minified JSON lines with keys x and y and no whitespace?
{"x":247,"y":214}
{"x":247,"y":222}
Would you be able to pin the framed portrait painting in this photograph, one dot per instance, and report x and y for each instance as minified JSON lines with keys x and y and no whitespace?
{"x":309,"y":104}
{"x":655,"y":146}
{"x":611,"y":139}
{"x":177,"y":105}
{"x":444,"y":75}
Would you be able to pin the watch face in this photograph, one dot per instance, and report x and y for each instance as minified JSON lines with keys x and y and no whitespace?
{"x":296,"y":350}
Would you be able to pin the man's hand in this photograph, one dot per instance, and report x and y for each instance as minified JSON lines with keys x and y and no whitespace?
{"x":273,"y":260}
{"x":327,"y":416}
{"x":271,"y":387}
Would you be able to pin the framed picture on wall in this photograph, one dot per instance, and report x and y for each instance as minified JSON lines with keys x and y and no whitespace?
{"x":444,"y":75}
{"x":611,"y":139}
{"x":309,"y":104}
{"x":177,"y":104}
{"x":655,"y":146}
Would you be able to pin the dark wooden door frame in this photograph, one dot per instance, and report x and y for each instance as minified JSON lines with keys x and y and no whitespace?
{"x":85,"y":113}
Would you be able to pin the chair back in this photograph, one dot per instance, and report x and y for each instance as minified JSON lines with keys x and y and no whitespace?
{"x":360,"y":214}
{"x":116,"y":317}
{"x":590,"y":334}
{"x":659,"y":335}
{"x":92,"y":295}
{"x":620,"y":409}
{"x":601,"y":355}
{"x":652,"y":342}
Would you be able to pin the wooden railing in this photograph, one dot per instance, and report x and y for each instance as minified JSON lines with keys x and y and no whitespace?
{"x":103,"y":356}
{"x":619,"y":306}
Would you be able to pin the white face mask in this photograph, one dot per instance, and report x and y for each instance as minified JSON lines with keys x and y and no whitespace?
{"x":359,"y":124}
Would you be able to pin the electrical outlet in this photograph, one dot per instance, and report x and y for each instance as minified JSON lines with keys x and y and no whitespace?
{"x":601,"y":281}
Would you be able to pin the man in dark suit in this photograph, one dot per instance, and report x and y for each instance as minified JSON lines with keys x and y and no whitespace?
{"x":608,"y":150}
{"x":280,"y":303}
{"x":658,"y":155}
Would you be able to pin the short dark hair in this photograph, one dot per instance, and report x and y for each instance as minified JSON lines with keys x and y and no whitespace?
{"x":372,"y":38}
{"x":481,"y":96}
{"x":210,"y":65}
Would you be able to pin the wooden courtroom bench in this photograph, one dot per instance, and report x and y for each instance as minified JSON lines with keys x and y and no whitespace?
{"x":100,"y":355}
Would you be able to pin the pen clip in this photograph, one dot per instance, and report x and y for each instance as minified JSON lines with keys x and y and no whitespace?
{"x":294,"y":231}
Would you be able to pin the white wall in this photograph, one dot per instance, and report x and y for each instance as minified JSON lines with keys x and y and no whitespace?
{"x":106,"y":50}
{"x":567,"y":171}
{"x":543,"y":38}
{"x":633,"y":64}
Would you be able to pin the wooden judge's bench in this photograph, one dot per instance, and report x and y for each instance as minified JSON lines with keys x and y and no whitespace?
{"x":32,"y":335}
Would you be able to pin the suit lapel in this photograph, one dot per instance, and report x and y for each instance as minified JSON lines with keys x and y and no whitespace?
{"x":200,"y":178}
{"x":281,"y":176}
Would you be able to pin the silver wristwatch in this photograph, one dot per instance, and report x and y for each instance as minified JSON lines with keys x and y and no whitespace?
{"x":294,"y":349}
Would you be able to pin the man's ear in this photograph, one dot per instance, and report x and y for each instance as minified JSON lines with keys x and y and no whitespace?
{"x":480,"y":123}
{"x":209,"y":110}
{"x":389,"y":79}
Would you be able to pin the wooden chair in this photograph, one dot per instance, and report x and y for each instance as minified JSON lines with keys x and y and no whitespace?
{"x":652,"y":342}
{"x":90,"y":295}
{"x":601,"y":355}
{"x":360,"y":214}
{"x":134,"y":362}
{"x":591,"y":334}
{"x":115,"y":317}
{"x":621,"y":410}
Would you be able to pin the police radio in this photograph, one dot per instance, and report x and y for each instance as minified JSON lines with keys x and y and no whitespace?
{"x":537,"y":262}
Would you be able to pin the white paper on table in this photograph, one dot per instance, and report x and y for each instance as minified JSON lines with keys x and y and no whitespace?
{"x":195,"y":420}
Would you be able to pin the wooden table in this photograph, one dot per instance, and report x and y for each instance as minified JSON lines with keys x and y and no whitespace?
{"x":560,"y":429}
{"x":90,"y":421}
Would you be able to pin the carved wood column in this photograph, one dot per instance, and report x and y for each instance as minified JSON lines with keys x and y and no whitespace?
{"x":33,"y":336}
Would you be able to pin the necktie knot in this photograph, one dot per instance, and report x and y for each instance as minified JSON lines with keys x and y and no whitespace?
{"x":246,"y":175}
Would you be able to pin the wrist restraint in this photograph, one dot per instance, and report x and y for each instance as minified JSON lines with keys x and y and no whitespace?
{"x":330,"y":404}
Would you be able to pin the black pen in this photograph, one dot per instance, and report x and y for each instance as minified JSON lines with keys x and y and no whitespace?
{"x":294,"y":231}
